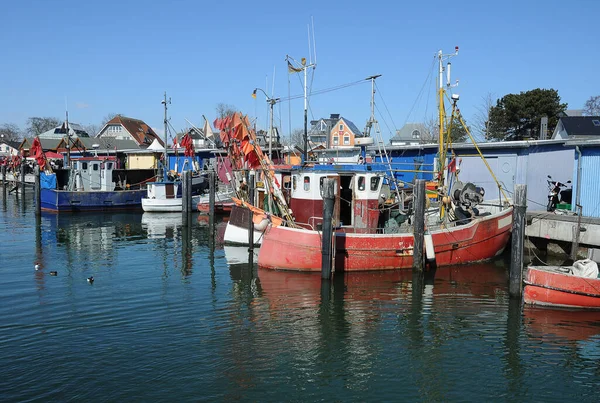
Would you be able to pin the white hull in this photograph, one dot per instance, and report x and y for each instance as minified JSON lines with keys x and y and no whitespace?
{"x":167,"y":205}
{"x":239,"y":236}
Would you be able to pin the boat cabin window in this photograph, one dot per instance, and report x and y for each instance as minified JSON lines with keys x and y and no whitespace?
{"x":306,"y":183}
{"x":84,"y":165}
{"x":109,"y":165}
{"x":375,"y":183}
{"x":361,"y":183}
{"x":95,"y":167}
{"x":294,"y":180}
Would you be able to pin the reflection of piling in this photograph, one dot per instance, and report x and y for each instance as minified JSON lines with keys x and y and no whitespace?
{"x":326,"y":239}
{"x":251,"y":202}
{"x":518,"y":237}
{"x":211,"y":200}
{"x":419,"y":224}
{"x":3,"y":175}
{"x":38,"y":191}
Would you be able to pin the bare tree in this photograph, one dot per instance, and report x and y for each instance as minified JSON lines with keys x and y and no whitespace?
{"x":481,"y":120}
{"x":10,"y":132}
{"x":37,"y":125}
{"x":224,"y":110}
{"x":92,"y":129}
{"x":431,"y":130}
{"x":592,"y":106}
{"x":296,"y":139}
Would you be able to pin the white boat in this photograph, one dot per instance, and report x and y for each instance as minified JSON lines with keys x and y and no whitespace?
{"x":165,"y":195}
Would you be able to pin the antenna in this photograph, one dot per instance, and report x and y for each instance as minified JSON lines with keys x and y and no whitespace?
{"x":314,"y":40}
{"x":309,"y":50}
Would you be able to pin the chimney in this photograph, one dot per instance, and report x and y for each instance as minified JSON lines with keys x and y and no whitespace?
{"x":544,"y":128}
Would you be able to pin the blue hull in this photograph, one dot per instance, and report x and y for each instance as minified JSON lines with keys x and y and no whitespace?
{"x":63,"y":200}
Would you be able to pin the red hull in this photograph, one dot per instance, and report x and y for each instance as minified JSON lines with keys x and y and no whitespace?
{"x":551,"y":288}
{"x":297,"y":249}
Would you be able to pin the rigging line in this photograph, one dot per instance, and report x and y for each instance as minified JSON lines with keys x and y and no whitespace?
{"x":421,"y":91}
{"x":431,"y":85}
{"x":384,"y":121}
{"x":386,"y":107}
{"x":289,"y":111}
{"x":323,"y":91}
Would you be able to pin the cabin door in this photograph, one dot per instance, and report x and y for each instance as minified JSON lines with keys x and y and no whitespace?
{"x":95,"y":180}
{"x":345,"y":200}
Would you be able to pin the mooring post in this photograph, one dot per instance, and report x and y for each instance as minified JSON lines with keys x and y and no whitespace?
{"x":327,"y":235}
{"x":251,"y":215}
{"x":419,"y":224}
{"x":187,"y":192}
{"x":38,"y":191}
{"x":518,"y":237}
{"x":575,"y":244}
{"x":23,"y":178}
{"x":3,"y":175}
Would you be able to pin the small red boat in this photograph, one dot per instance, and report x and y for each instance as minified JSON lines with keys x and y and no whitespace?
{"x":561,"y":286}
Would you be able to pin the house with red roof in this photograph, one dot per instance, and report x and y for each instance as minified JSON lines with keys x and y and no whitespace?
{"x":124,"y":128}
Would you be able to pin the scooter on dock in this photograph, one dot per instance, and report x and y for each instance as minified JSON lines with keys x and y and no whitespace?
{"x":558,"y":194}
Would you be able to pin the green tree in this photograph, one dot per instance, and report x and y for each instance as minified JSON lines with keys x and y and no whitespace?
{"x":37,"y":125}
{"x":517,"y":116}
{"x":458,"y":132}
{"x":592,"y":106}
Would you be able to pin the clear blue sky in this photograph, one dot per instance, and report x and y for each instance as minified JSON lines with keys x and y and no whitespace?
{"x":120,"y":56}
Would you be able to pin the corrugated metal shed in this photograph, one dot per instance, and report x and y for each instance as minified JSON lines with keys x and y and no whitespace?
{"x":590,"y":183}
{"x":513,"y":162}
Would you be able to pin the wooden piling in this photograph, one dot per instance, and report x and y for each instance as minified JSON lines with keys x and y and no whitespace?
{"x":23,"y":178}
{"x":251,"y":216}
{"x":38,"y":191}
{"x":419,"y":224}
{"x":4,"y":175}
{"x":186,"y":193}
{"x":575,"y":244}
{"x":327,"y":228}
{"x":518,"y":237}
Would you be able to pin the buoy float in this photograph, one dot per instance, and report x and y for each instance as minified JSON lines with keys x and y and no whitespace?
{"x":429,"y":249}
{"x":37,"y":267}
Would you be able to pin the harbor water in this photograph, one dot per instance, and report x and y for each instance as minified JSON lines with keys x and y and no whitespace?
{"x":174,"y":315}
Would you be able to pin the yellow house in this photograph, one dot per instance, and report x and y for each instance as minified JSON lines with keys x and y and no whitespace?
{"x":343,"y":134}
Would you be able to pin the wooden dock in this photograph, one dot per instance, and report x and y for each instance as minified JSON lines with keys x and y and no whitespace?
{"x":544,"y":227}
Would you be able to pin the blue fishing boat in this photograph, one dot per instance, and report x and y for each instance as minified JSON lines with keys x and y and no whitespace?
{"x":90,"y":188}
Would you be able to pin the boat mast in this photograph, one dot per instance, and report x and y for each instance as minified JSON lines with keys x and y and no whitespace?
{"x":68,"y":138}
{"x":442,"y":111}
{"x":165,"y":102}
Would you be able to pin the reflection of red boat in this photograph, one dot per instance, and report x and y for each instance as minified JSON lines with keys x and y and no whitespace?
{"x":569,"y":325}
{"x":297,"y":288}
{"x":220,"y":207}
{"x":556,"y":286}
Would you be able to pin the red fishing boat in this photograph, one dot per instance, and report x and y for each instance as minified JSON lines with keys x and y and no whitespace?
{"x":484,"y":237}
{"x":562,"y":286}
